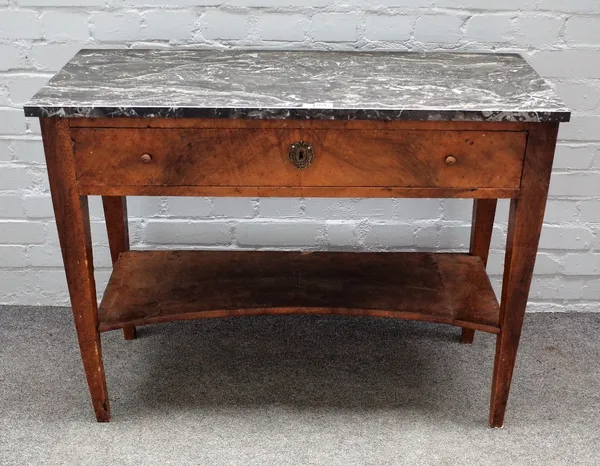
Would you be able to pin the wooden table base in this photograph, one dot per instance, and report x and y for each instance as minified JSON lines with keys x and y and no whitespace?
{"x":149,"y":287}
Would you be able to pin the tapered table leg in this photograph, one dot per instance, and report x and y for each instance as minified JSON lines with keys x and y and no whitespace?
{"x":524,"y":228}
{"x":115,"y":214}
{"x":73,"y":224}
{"x":482,"y":225}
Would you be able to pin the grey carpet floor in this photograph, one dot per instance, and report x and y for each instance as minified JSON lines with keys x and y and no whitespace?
{"x":297,"y":390}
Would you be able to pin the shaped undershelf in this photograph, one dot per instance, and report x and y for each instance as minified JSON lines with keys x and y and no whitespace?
{"x":162,"y":286}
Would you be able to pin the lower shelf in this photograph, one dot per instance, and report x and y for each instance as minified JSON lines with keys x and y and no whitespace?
{"x":161,"y":286}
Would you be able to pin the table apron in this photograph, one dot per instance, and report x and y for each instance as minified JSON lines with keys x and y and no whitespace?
{"x":295,"y":191}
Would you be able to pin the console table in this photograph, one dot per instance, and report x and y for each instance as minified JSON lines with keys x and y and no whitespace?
{"x":119,"y":123}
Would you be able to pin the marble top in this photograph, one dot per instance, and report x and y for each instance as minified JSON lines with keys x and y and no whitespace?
{"x":298,"y":85}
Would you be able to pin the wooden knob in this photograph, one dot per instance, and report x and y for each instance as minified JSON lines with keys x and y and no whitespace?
{"x":450,"y":160}
{"x":146,"y":158}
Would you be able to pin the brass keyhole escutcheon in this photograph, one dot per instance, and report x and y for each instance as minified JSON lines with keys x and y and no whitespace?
{"x":301,"y":154}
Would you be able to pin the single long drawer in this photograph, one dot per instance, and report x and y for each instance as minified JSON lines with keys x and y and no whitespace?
{"x":261,"y":157}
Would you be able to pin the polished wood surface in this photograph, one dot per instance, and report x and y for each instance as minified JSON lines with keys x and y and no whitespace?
{"x":259,"y":158}
{"x":120,"y":157}
{"x":115,"y":214}
{"x":179,"y":285}
{"x":416,"y":159}
{"x":73,"y":223}
{"x":212,"y":123}
{"x":524,"y":228}
{"x":185,"y":157}
{"x":482,"y":226}
{"x":296,"y":191}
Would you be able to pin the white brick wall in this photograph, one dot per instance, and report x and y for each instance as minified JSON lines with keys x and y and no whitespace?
{"x":561,"y":38}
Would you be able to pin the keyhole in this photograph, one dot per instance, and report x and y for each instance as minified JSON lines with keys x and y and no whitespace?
{"x":301,"y":154}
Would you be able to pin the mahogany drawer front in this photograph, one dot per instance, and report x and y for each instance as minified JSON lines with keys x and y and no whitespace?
{"x":184,"y":157}
{"x":260,"y":157}
{"x":442,"y":159}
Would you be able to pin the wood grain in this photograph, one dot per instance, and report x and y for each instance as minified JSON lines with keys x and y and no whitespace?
{"x":179,"y":285}
{"x":117,"y":227}
{"x":297,"y":191}
{"x":210,"y":157}
{"x":524,"y":228}
{"x":482,"y":226}
{"x":415,"y":159}
{"x":182,"y":157}
{"x":72,"y":220}
{"x":259,"y":158}
{"x":349,"y":125}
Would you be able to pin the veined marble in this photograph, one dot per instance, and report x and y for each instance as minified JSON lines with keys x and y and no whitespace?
{"x":176,"y":83}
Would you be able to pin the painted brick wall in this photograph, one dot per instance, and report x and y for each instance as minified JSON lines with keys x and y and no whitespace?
{"x":561,"y":38}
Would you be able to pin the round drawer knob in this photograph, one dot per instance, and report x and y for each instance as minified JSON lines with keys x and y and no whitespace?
{"x":450,"y":160}
{"x":146,"y":158}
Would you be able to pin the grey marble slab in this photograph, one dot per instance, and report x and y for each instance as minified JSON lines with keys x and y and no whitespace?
{"x":298,"y":85}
